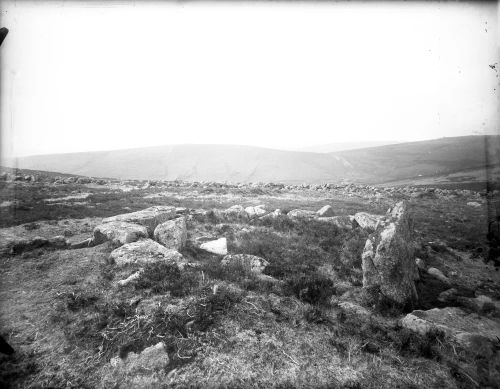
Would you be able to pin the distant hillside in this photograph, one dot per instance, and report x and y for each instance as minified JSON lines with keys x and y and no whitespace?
{"x":342,"y":146}
{"x":252,"y":164}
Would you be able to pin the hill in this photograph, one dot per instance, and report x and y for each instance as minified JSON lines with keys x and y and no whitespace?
{"x":374,"y":165}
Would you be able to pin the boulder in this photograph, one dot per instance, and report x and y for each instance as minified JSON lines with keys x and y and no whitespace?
{"x":172,"y":234}
{"x":326,"y":211}
{"x":479,"y":304}
{"x":149,"y":217}
{"x":465,"y":329}
{"x":251,"y":262}
{"x":218,"y":246}
{"x":257,"y":211}
{"x":301,"y":214}
{"x":273,"y":215}
{"x":118,"y":232}
{"x":368,"y":221}
{"x":236,"y":211}
{"x":144,"y":251}
{"x":388,"y":258}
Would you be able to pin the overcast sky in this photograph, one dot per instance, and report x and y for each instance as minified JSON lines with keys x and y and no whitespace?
{"x":87,"y":76}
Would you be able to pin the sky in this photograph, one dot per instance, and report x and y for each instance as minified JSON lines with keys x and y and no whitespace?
{"x":82,"y":76}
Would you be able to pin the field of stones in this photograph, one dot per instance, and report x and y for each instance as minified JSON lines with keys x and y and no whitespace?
{"x":153,"y":284}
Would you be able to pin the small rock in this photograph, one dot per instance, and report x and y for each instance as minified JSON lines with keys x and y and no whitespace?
{"x":129,"y":279}
{"x":218,"y":246}
{"x":251,"y":262}
{"x":368,"y":221}
{"x":436,"y":273}
{"x":448,"y":296}
{"x":474,"y":204}
{"x":420,"y":264}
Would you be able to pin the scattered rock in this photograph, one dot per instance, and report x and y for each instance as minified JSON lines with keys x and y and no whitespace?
{"x":144,"y":251}
{"x":236,"y":211}
{"x":388,"y":258}
{"x":465,"y":329}
{"x":436,"y":273}
{"x":149,"y":217}
{"x":368,"y":221}
{"x":172,"y":234}
{"x":129,"y":279}
{"x":251,"y":262}
{"x":119,"y":232}
{"x":301,"y":214}
{"x":448,"y":296}
{"x":144,"y":370}
{"x":339,"y":221}
{"x":218,"y":246}
{"x":326,"y":211}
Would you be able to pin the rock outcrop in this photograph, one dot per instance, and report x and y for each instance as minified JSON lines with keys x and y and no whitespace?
{"x":466,"y":329}
{"x":388,"y":260}
{"x":172,"y":234}
{"x":143,"y":252}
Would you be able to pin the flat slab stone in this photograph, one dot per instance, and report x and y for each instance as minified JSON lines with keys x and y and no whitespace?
{"x":143,"y":252}
{"x":119,"y":232}
{"x":368,"y":221}
{"x":149,"y":217}
{"x":301,"y":214}
{"x":218,"y":246}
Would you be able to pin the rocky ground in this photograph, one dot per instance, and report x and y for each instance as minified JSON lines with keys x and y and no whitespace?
{"x":108,"y":284}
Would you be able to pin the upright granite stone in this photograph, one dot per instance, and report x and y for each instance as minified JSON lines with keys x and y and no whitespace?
{"x":388,"y":260}
{"x":149,"y":217}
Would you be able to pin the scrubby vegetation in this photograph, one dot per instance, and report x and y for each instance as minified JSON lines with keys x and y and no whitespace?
{"x":223,"y":324}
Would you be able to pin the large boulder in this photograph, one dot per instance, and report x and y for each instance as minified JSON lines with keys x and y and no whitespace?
{"x":172,"y":234}
{"x":149,"y":217}
{"x":143,"y":252}
{"x":119,"y":232}
{"x":218,"y":246}
{"x":326,"y":211}
{"x":388,"y":260}
{"x":368,"y":221}
{"x":251,"y":262}
{"x":466,"y":329}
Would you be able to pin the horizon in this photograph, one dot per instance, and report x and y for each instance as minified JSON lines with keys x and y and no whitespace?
{"x":12,"y":159}
{"x":197,"y":73}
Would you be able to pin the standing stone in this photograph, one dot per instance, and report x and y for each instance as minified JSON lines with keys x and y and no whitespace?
{"x":172,"y":234}
{"x":388,"y":258}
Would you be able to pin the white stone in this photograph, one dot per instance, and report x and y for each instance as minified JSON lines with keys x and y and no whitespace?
{"x":218,"y":246}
